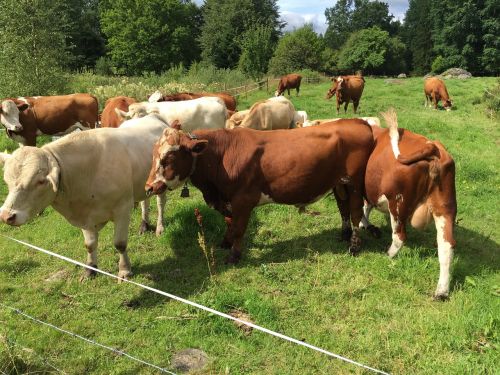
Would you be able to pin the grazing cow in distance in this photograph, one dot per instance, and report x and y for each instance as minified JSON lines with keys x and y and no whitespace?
{"x":109,"y":117}
{"x":435,"y":90}
{"x":270,"y":114}
{"x":413,"y":179}
{"x":347,"y":88}
{"x":229,"y":100}
{"x":26,"y":117}
{"x":201,"y":113}
{"x":370,"y":120}
{"x":290,"y":81}
{"x":237,"y":170}
{"x":88,"y":177}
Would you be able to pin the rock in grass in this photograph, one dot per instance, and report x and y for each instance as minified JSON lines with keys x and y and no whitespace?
{"x":189,"y":360}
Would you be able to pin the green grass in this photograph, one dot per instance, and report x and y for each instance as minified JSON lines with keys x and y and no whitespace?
{"x":295,"y":276}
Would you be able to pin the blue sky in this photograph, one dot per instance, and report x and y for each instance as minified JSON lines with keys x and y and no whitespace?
{"x":298,"y":12}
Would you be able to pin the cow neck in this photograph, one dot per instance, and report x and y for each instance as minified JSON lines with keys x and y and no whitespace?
{"x":56,"y":161}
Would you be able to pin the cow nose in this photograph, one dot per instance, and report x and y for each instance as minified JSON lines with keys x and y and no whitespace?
{"x":149,"y":190}
{"x":8,"y":217}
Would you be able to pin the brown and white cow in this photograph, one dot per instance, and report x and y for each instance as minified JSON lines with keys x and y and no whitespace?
{"x":347,"y":88}
{"x":270,"y":114}
{"x":109,"y":117}
{"x":435,"y":90}
{"x":239,"y":169}
{"x":229,"y":100}
{"x":26,"y":117}
{"x":290,"y":81}
{"x":413,"y":179}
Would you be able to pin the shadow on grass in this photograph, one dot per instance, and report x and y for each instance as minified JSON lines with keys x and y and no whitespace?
{"x":19,"y":266}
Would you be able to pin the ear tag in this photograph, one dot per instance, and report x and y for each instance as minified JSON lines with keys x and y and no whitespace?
{"x":185,"y":191}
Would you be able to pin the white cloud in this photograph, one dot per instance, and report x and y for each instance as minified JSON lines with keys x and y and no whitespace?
{"x":296,"y":20}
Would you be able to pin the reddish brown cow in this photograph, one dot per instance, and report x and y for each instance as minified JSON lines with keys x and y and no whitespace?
{"x":435,"y":90}
{"x":239,"y":169}
{"x":347,"y":89}
{"x":290,"y":81}
{"x":229,"y":100}
{"x":413,"y":179}
{"x":26,"y":117}
{"x":109,"y":117}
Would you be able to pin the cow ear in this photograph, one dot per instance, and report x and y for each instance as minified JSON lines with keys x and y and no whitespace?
{"x":122,"y":114}
{"x":198,"y":146}
{"x":22,"y":107}
{"x":4,"y":157}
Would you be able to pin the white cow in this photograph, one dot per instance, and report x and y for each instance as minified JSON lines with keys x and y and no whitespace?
{"x":273,"y":113}
{"x":89,"y":177}
{"x":201,"y":113}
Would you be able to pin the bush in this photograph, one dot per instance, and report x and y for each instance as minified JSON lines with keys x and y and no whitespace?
{"x":438,"y":65}
{"x":104,"y":66}
{"x":492,"y":99}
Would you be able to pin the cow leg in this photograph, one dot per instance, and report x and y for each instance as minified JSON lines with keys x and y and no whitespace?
{"x":398,"y":225}
{"x":346,"y":104}
{"x":434,"y":100}
{"x":121,"y":222}
{"x":444,"y":228}
{"x":161,"y":200}
{"x":355,"y":104}
{"x":356,"y":210}
{"x":345,"y":214}
{"x":239,"y":222}
{"x":227,"y":242}
{"x":91,"y":239}
{"x":365,"y":221}
{"x":145,"y":226}
{"x":298,"y":89}
{"x":288,"y":89}
{"x":338,"y":105}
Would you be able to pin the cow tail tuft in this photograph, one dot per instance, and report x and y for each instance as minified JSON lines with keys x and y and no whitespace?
{"x":391,"y":120}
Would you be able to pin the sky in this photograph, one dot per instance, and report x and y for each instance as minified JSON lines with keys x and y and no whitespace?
{"x":297,"y":12}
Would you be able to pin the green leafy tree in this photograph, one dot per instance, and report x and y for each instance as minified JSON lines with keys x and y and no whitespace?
{"x":490,"y":56}
{"x":417,"y":35}
{"x":257,"y":49}
{"x":227,"y":21}
{"x":373,"y":51}
{"x":150,"y":36}
{"x":34,"y":51}
{"x":300,"y":49}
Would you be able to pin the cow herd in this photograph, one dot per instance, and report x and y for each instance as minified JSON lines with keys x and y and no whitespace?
{"x":146,"y":148}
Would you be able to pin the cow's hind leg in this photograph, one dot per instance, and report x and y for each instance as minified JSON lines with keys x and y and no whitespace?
{"x":341,"y":197}
{"x":91,"y":240}
{"x":346,"y":104}
{"x":444,"y":228}
{"x":398,"y":225}
{"x":365,"y":221}
{"x":161,"y":200}
{"x":356,"y":209}
{"x":121,"y":222}
{"x":241,"y":216}
{"x":355,"y":104}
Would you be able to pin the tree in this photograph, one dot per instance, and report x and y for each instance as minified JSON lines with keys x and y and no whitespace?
{"x":227,"y":21}
{"x":34,"y":51}
{"x":373,"y":51}
{"x":150,"y":36}
{"x":417,"y":36}
{"x":85,"y":38}
{"x":257,"y":49}
{"x":490,"y":57}
{"x":300,"y":49}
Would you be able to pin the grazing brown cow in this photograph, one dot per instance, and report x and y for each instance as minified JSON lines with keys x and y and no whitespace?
{"x":26,"y":117}
{"x":347,"y":89}
{"x":413,"y":179}
{"x":229,"y":100}
{"x":435,"y":90}
{"x":239,"y":169}
{"x":109,"y":117}
{"x":290,"y":81}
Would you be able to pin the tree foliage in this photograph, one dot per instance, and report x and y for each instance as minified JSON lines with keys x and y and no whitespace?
{"x":257,"y":49}
{"x":150,"y":36}
{"x":34,"y":50}
{"x":373,"y":51}
{"x":226,"y":23}
{"x":300,"y":49}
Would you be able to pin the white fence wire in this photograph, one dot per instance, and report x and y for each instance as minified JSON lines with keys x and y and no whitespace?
{"x":201,"y":307}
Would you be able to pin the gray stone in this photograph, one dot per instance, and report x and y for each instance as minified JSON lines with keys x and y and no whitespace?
{"x":464,"y":76}
{"x":456,"y":72}
{"x":402,"y":75}
{"x":189,"y":360}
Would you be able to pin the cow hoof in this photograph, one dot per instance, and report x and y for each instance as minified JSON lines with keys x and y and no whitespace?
{"x":88,"y":274}
{"x":124,"y":275}
{"x":145,"y":227}
{"x":232,"y":259}
{"x":346,"y":234}
{"x":354,"y":250}
{"x":440,"y":297}
{"x":374,"y":231}
{"x":159,"y":231}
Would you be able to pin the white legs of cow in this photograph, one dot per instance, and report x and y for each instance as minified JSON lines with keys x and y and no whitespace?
{"x":161,"y":200}
{"x":121,"y":221}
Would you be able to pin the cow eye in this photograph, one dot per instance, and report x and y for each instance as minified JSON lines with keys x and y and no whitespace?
{"x":41,"y":182}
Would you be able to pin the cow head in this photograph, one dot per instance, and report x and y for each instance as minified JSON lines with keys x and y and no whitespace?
{"x":173,"y":160}
{"x":336,"y":85}
{"x":32,"y":176}
{"x":447,"y":104}
{"x":9,"y":114}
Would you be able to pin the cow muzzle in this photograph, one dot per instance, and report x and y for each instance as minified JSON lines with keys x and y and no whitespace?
{"x":9,"y":217}
{"x":157,"y":187}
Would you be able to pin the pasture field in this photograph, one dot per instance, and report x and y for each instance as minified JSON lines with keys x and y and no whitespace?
{"x":295,"y":276}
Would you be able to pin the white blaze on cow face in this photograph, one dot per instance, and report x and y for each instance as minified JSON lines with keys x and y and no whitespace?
{"x":31,"y":175}
{"x":9,"y":115}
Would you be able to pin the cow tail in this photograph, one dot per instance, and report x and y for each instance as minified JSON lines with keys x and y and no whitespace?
{"x":391,"y":119}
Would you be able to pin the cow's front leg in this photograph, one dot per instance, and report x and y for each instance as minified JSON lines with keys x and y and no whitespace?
{"x":356,"y":209}
{"x":343,"y":204}
{"x":227,"y":241}
{"x":145,"y":226}
{"x":91,"y":239}
{"x":121,"y":222}
{"x":241,"y":215}
{"x":161,"y":200}
{"x":346,"y":104}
